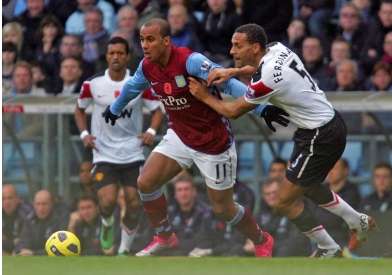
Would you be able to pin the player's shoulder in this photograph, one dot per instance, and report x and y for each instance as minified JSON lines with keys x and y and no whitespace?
{"x":96,"y":77}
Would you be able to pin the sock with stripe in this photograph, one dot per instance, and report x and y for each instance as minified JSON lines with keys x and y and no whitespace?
{"x":342,"y":209}
{"x":307,"y":223}
{"x":155,"y":206}
{"x":246,"y":224}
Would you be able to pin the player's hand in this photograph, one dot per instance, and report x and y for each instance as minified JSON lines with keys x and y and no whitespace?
{"x":147,"y":138}
{"x":108,"y":115}
{"x":272,"y":113}
{"x":219,"y":75}
{"x":89,"y":142}
{"x":197,"y":88}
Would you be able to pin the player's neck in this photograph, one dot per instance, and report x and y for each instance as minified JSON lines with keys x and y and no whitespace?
{"x":117,"y":76}
{"x":164,"y":60}
{"x":258,"y":58}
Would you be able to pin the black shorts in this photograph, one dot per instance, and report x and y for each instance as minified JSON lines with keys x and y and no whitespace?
{"x":105,"y":173}
{"x":316,"y":152}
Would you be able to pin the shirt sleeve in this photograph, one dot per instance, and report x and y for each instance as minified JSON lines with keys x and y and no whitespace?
{"x":262,"y":86}
{"x":131,"y":89}
{"x":85,"y":96}
{"x":200,"y":66}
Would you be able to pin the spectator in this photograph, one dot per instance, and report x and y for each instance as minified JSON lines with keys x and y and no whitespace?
{"x":146,"y":10}
{"x":30,"y":20}
{"x":312,"y":54}
{"x":381,"y":199}
{"x":316,"y":13}
{"x":40,"y":226}
{"x":40,"y":79}
{"x":352,"y":29}
{"x":364,"y":8}
{"x":277,"y":168}
{"x":289,"y":241}
{"x":273,"y":16}
{"x":387,"y":57}
{"x":76,"y":23}
{"x":15,"y":212}
{"x":71,"y":46}
{"x":48,"y":41}
{"x":189,"y":218}
{"x":295,"y":35}
{"x":13,"y":32}
{"x":219,"y":25}
{"x":62,"y":9}
{"x":70,"y":77}
{"x":85,"y":223}
{"x":372,"y":50}
{"x":347,"y":77}
{"x":182,"y":33}
{"x":381,"y":79}
{"x":94,"y":38}
{"x":127,"y":19}
{"x":8,"y":60}
{"x":22,"y":81}
{"x":340,"y":50}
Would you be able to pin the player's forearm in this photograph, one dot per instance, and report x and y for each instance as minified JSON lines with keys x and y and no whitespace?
{"x":225,"y":108}
{"x":156,"y":119}
{"x":125,"y":97}
{"x":81,"y":119}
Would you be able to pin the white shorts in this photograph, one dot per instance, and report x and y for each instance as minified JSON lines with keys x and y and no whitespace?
{"x":219,"y":171}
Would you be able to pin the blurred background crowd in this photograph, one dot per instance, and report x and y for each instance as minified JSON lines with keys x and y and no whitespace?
{"x":51,"y":46}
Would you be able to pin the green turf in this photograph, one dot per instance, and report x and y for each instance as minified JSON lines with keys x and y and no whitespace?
{"x":188,"y":266}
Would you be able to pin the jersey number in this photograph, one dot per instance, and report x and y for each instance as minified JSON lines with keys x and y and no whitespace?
{"x":303,"y":73}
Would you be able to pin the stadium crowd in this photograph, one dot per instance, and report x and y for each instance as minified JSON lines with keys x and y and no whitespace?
{"x":51,"y":46}
{"x":27,"y":226}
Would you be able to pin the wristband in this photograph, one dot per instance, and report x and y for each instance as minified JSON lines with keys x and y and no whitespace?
{"x":151,"y":131}
{"x":83,"y":134}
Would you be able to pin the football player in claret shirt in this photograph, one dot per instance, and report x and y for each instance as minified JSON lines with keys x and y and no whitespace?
{"x":319,"y":141}
{"x":197,"y":134}
{"x":117,"y":151}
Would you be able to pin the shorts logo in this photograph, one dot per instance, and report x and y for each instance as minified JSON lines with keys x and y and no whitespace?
{"x":295,"y":163}
{"x":99,"y":176}
{"x":180,"y":81}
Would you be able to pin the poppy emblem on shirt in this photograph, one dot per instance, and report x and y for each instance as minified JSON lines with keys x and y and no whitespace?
{"x":167,"y":88}
{"x":116,"y":93}
{"x":180,"y":81}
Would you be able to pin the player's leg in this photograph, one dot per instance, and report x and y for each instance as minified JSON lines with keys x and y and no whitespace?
{"x":292,"y":205}
{"x":219,"y":172}
{"x":106,"y":185}
{"x":158,"y":170}
{"x":328,"y":148}
{"x":128,"y":174}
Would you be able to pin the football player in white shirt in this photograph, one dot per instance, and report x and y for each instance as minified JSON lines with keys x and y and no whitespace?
{"x":319,"y":141}
{"x":117,"y":150}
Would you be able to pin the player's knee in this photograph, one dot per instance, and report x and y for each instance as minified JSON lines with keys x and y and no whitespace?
{"x":221,"y":211}
{"x":319,"y":194}
{"x":144,"y":185}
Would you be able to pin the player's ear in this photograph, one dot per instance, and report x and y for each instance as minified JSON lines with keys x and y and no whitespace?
{"x":166,"y":40}
{"x":256,"y":48}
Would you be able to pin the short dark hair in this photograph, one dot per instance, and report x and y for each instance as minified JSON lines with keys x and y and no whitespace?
{"x":87,"y":197}
{"x":164,"y":27}
{"x":78,"y":60}
{"x":118,"y":40}
{"x":383,"y":165}
{"x":255,"y":34}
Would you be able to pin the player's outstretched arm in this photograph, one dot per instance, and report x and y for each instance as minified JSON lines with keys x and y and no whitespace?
{"x":219,"y":75}
{"x":132,"y":89}
{"x":229,"y":109}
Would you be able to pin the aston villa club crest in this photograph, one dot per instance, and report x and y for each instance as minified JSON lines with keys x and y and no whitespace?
{"x":180,"y":81}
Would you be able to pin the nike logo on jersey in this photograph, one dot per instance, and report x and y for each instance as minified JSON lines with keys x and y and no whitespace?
{"x":295,"y":163}
{"x":154,"y":83}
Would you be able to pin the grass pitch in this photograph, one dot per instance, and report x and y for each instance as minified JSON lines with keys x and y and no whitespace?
{"x":190,"y":266}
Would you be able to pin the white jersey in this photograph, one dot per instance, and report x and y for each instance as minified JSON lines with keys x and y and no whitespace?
{"x":283,"y":80}
{"x":119,"y":143}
